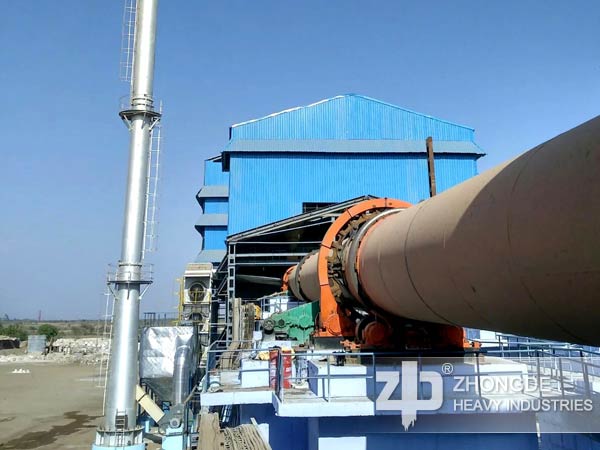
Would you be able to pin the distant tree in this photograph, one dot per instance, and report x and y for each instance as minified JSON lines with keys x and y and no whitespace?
{"x":14,"y":330}
{"x":49,"y":330}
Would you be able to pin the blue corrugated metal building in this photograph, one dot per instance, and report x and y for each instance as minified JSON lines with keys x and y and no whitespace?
{"x":213,"y":200}
{"x":327,"y":152}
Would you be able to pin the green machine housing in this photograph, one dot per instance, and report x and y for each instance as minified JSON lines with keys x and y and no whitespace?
{"x":297,"y":323}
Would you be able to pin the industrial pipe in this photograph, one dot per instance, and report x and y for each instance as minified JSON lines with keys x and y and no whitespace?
{"x":182,"y":365}
{"x":514,"y":250}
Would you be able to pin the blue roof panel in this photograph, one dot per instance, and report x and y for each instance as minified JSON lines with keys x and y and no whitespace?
{"x":350,"y":116}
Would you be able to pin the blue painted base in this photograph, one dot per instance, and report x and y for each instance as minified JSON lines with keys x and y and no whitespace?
{"x":174,"y":439}
{"x":127,"y":447}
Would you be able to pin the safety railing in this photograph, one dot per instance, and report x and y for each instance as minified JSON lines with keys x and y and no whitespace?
{"x":564,"y":365}
{"x":572,"y":371}
{"x":279,"y":374}
{"x":274,"y":304}
{"x":283,"y":383}
{"x":220,"y":351}
{"x":158,"y":319}
{"x":505,"y":341}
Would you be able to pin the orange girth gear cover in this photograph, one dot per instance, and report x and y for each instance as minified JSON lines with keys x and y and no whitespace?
{"x":334,"y":320}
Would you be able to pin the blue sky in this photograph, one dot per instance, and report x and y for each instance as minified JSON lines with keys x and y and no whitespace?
{"x":519,"y":72}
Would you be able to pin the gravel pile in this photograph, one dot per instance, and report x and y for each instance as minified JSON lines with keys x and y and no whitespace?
{"x":87,"y":351}
{"x":84,"y":345}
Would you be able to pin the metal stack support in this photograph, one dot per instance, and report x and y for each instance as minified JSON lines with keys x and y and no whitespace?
{"x":119,"y":429}
{"x":513,"y":250}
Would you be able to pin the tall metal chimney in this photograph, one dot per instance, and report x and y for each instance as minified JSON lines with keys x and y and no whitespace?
{"x":119,"y":428}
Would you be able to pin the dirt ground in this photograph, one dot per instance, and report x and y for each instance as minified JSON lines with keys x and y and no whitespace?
{"x":53,"y":407}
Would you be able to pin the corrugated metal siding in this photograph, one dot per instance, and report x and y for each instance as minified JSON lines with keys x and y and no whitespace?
{"x":214,"y":238}
{"x":351,"y":117}
{"x":268,"y":187}
{"x":212,"y":223}
{"x":453,"y":169}
{"x":215,"y":206}
{"x":213,"y":173}
{"x":350,"y":146}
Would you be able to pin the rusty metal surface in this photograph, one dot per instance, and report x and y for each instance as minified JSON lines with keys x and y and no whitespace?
{"x":431,"y":166}
{"x":515,"y":249}
{"x":293,"y":283}
{"x":304,"y":278}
